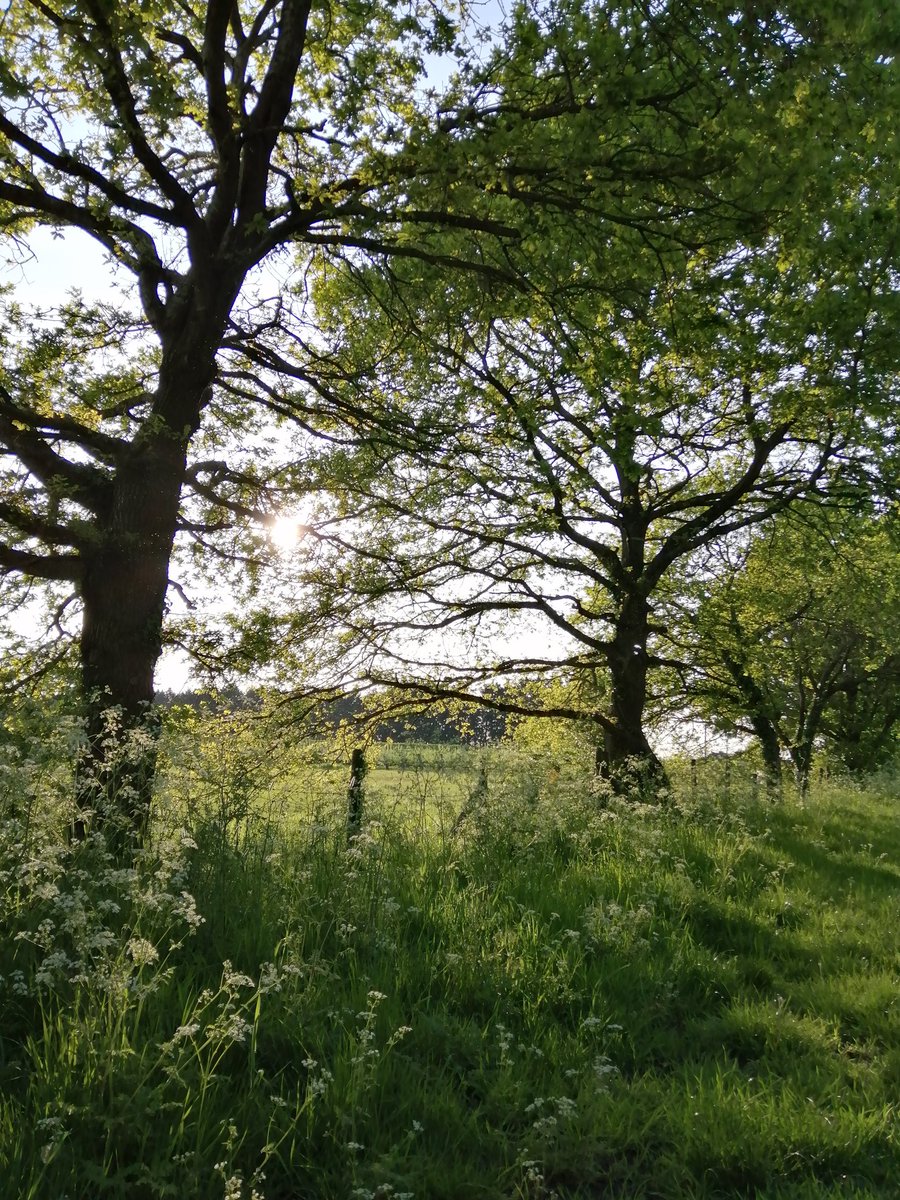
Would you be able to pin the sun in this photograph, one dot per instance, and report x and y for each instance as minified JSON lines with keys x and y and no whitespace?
{"x":284,"y":533}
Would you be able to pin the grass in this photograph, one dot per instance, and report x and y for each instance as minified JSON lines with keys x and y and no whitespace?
{"x":557,"y":995}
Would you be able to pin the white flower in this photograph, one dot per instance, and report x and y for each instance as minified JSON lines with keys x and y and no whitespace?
{"x":183,"y":1032}
{"x":237,"y":1028}
{"x":269,"y":979}
{"x":235,"y":979}
{"x":142,"y":952}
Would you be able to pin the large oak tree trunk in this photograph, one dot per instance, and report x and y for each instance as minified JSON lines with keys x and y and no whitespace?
{"x":626,"y":758}
{"x":123,"y":593}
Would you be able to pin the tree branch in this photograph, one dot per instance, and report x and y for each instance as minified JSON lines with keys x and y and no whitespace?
{"x":86,"y":485}
{"x":43,"y":566}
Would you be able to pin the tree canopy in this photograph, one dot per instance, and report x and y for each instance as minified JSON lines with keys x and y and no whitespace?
{"x":794,"y":640}
{"x":192,"y":143}
{"x":675,"y":367}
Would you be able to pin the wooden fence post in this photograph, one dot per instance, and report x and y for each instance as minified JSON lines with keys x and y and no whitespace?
{"x":355,"y":792}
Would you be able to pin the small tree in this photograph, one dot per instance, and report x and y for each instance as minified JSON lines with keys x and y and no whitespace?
{"x":795,"y":640}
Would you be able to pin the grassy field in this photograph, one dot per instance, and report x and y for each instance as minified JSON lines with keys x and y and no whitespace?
{"x":508,"y":985}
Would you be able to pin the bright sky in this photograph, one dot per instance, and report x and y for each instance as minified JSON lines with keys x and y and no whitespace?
{"x":57,"y":266}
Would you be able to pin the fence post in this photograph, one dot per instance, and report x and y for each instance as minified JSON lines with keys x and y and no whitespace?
{"x":355,"y":792}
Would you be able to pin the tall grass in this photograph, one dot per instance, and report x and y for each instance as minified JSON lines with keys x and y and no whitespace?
{"x":555,"y":994}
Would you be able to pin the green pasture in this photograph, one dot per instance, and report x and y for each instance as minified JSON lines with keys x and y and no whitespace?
{"x":509,"y":985}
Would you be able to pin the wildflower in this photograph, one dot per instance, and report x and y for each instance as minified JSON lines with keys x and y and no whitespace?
{"x":269,"y":980}
{"x":232,"y":979}
{"x":234,"y":1188}
{"x":143,"y":953}
{"x":51,"y":1125}
{"x":237,"y":1028}
{"x":604,"y":1071}
{"x":183,"y":1032}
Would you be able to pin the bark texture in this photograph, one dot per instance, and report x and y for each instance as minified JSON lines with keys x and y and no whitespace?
{"x":626,"y":757}
{"x":123,"y":589}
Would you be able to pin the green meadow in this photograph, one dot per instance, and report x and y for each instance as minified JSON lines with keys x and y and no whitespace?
{"x":508,"y":985}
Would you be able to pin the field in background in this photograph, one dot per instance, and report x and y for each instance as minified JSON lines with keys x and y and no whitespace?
{"x":235,"y":768}
{"x":508,"y":985}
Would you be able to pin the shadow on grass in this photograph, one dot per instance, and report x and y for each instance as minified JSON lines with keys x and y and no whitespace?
{"x":828,"y":869}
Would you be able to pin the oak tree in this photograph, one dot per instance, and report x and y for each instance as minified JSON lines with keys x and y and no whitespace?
{"x":192,"y":142}
{"x":697,"y":345}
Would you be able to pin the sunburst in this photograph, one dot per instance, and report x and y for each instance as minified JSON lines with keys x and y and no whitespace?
{"x":284,"y":532}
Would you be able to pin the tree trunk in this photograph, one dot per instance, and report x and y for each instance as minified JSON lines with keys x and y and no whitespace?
{"x":358,"y":771}
{"x":764,"y":726}
{"x":801,"y":757}
{"x":626,"y":758}
{"x":771,"y":753}
{"x":803,"y":749}
{"x":123,"y":594}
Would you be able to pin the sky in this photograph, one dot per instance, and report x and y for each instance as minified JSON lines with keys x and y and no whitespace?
{"x":54,"y":265}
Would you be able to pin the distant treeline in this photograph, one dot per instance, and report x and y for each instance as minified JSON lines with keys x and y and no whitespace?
{"x":434,"y":726}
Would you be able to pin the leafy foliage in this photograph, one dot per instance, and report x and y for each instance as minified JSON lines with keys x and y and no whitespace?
{"x":794,"y":639}
{"x":191,"y":144}
{"x":698,"y":341}
{"x":543,"y":333}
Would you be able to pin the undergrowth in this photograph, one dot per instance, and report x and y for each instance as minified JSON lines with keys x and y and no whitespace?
{"x":554,"y":994}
